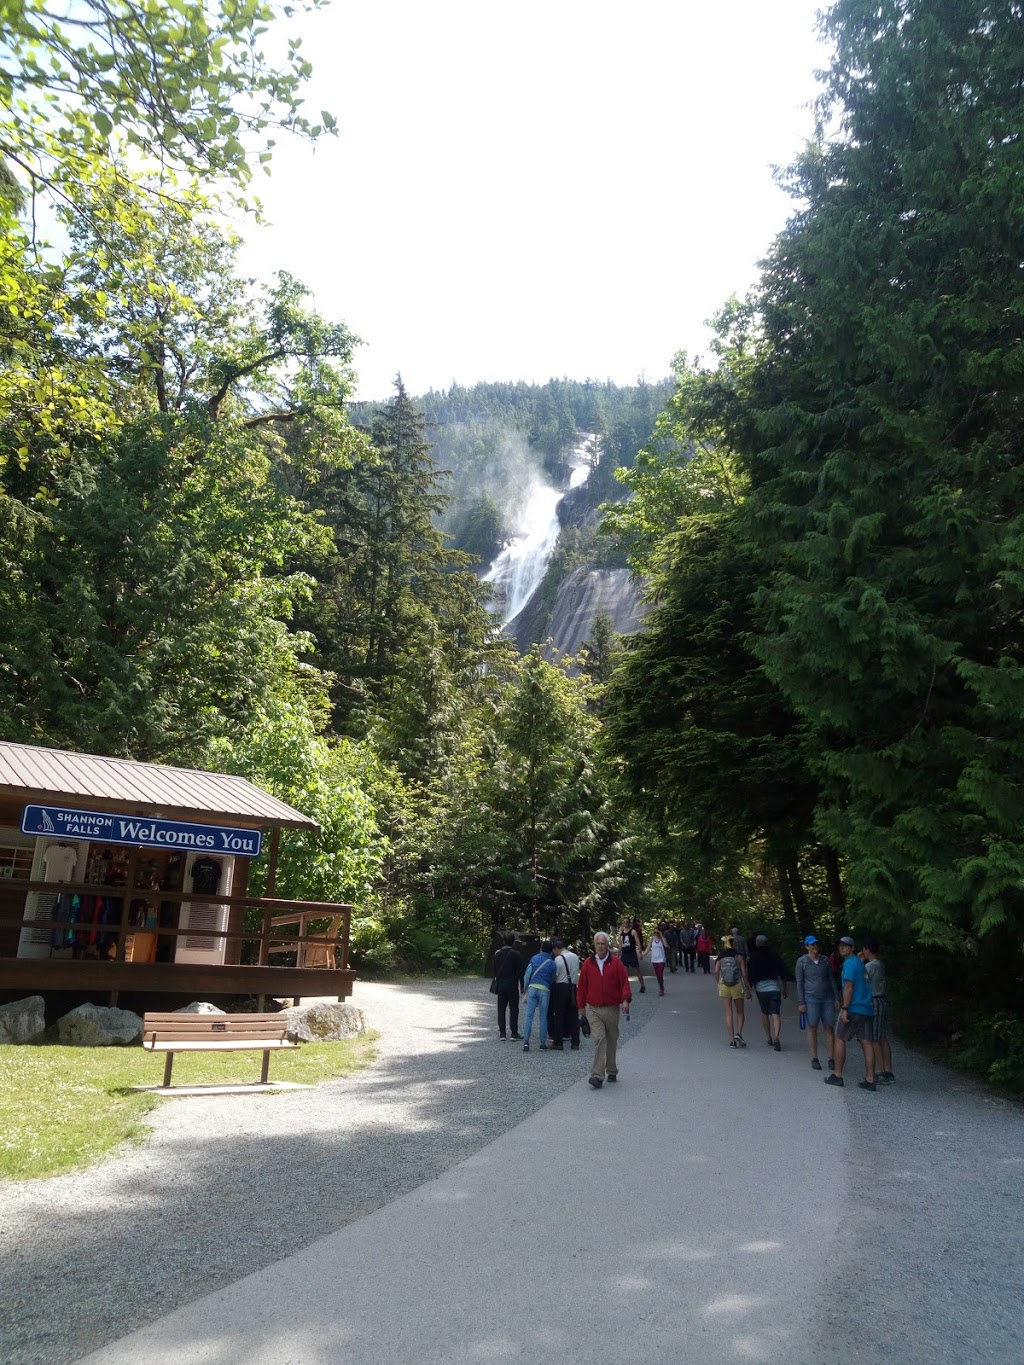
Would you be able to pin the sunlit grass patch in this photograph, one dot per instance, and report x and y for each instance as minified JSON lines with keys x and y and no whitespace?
{"x":64,"y":1107}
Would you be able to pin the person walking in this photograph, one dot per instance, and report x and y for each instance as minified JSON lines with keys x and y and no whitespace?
{"x":740,"y":942}
{"x":630,"y":949}
{"x":672,"y":941}
{"x":564,"y":1017}
{"x":688,"y":946}
{"x":733,"y":989}
{"x":874,"y":970}
{"x":854,"y":1024}
{"x":766,"y":972}
{"x":508,"y":980}
{"x":659,"y":956}
{"x":705,"y":947}
{"x":817,"y":996}
{"x":601,"y":993}
{"x":539,"y":978}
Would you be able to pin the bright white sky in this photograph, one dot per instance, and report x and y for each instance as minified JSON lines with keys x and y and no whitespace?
{"x":538,"y":189}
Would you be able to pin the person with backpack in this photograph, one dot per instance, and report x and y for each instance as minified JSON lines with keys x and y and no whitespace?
{"x":733,"y":989}
{"x":539,"y":978}
{"x":688,"y":944}
{"x":705,"y":947}
{"x":508,"y":983}
{"x":564,"y":1017}
{"x":671,"y":932}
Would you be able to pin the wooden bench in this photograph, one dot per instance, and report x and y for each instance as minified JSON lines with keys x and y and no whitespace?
{"x":173,"y":1033}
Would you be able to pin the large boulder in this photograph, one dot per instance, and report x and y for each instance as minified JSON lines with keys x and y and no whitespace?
{"x":199,"y":1007}
{"x":22,"y":1021}
{"x":323,"y":1021}
{"x":99,"y":1026}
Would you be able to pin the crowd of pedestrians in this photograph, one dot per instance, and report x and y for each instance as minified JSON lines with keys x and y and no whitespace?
{"x":843,"y":996}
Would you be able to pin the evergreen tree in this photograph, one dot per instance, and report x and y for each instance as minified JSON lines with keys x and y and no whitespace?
{"x":881,"y":428}
{"x":532,"y":834}
{"x":400,"y":620}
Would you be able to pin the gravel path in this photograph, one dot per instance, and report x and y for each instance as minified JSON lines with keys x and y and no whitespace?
{"x":230,"y":1184}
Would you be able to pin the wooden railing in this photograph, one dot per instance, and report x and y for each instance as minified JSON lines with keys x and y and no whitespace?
{"x":271,"y":939}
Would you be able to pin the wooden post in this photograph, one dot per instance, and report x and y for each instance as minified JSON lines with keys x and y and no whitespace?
{"x":268,"y":910}
{"x":275,"y":849}
{"x":344,"y":946}
{"x":236,"y":913}
{"x":126,"y":908}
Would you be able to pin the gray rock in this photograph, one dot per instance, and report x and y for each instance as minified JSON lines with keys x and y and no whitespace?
{"x":199,"y":1007}
{"x":99,"y":1026}
{"x":22,"y":1021}
{"x":323,"y":1021}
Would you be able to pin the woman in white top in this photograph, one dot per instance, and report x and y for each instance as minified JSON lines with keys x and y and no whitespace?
{"x":659,"y":956}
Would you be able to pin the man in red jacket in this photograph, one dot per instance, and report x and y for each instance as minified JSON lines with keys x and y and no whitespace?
{"x":602,"y":990}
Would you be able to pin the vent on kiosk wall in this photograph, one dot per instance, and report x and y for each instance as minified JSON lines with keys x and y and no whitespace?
{"x":206,"y":876}
{"x":203,"y":917}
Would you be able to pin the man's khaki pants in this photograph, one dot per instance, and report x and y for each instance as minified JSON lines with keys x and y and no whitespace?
{"x":604,"y":1029}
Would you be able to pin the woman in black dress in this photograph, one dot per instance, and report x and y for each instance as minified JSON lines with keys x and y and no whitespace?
{"x":630,"y":949}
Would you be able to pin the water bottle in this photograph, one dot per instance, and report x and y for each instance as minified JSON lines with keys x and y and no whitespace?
{"x":803,"y":1019}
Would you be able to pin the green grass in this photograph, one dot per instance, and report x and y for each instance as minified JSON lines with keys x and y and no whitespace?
{"x":62,"y":1108}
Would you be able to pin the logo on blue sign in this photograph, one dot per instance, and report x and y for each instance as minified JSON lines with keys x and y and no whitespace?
{"x":101,"y":827}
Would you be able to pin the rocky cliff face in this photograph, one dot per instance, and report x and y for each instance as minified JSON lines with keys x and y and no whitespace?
{"x":569,"y":623}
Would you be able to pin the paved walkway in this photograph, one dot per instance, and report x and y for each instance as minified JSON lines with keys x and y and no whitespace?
{"x":714,"y":1206}
{"x":233,"y":1183}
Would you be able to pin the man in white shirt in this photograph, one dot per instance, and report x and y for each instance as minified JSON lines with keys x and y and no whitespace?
{"x":564,"y":1017}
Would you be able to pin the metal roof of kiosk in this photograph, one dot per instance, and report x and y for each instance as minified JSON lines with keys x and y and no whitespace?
{"x":32,"y":773}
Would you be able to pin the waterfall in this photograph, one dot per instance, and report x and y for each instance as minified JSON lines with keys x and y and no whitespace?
{"x":518,"y":571}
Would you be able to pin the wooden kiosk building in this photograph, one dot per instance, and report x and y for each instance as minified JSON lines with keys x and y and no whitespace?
{"x":131,"y":879}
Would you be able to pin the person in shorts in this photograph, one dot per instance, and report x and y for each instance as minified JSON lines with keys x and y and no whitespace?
{"x":733,"y":989}
{"x":817,"y":997}
{"x":766,"y":973}
{"x":630,"y":949}
{"x":855,"y":1017}
{"x":874,"y":970}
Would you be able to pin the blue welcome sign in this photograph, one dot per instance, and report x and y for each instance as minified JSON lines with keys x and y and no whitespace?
{"x":58,"y":822}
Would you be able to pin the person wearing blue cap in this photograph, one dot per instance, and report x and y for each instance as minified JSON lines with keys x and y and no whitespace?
{"x":817,"y":997}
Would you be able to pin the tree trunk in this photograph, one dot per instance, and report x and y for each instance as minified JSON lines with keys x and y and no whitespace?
{"x":796,"y":887}
{"x":836,"y":898}
{"x":786,"y":897}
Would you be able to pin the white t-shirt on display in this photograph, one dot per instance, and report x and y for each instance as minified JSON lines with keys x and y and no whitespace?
{"x":59,"y":863}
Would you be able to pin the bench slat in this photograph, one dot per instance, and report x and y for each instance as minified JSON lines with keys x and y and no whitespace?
{"x":177,"y":1045}
{"x":153,"y":1017}
{"x":219,"y":1027}
{"x":278,"y":1032}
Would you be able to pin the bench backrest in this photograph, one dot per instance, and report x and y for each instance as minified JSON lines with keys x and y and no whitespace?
{"x":194,"y":1028}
